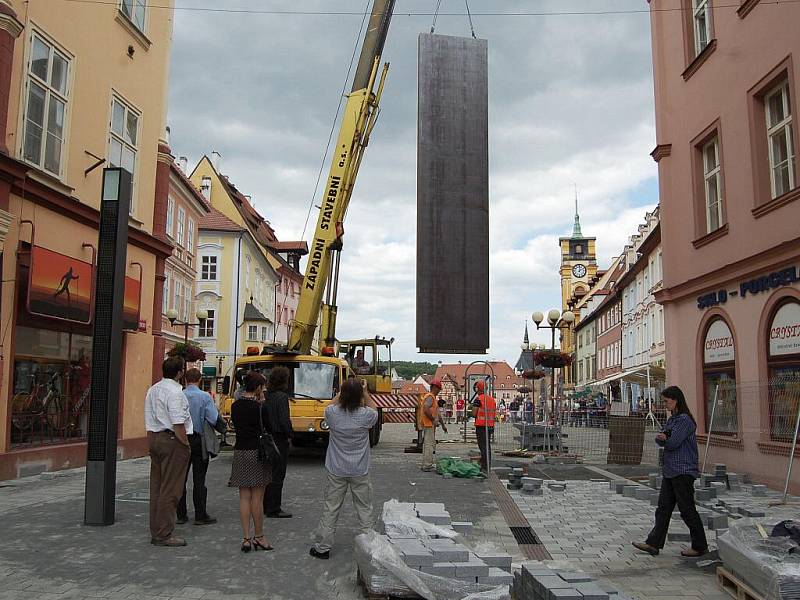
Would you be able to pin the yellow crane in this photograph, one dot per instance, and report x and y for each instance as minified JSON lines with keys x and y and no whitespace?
{"x":315,"y":378}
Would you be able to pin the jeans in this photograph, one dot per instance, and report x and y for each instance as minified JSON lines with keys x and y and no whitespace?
{"x":199,"y":468}
{"x":428,"y":445}
{"x":335,"y":492}
{"x":678,"y":490}
{"x":168,"y":460}
{"x":274,"y":492}
{"x":484,"y":435}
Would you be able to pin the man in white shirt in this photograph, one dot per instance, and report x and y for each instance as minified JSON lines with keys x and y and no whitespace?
{"x":168,"y":424}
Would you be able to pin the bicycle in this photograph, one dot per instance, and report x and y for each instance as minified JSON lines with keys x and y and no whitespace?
{"x":41,"y":404}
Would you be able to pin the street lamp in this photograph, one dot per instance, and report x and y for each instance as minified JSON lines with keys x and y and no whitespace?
{"x":172,"y":317}
{"x":557,"y":321}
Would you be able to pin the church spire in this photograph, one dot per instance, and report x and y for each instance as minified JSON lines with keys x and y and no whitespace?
{"x":526,"y":340}
{"x":576,"y":230}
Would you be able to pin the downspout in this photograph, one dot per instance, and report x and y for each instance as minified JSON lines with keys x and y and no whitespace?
{"x":238,"y":294}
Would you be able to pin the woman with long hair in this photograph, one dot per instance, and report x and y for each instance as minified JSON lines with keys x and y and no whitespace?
{"x":680,"y":469}
{"x":247,"y":473}
{"x":277,"y":405}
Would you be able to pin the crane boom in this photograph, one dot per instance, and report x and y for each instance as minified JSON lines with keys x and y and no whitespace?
{"x":360,"y":113}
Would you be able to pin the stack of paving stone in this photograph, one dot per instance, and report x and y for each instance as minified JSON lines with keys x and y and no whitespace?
{"x":442,"y":556}
{"x":540,"y":437}
{"x":536,"y":581}
{"x":515,"y":479}
{"x":531,"y":486}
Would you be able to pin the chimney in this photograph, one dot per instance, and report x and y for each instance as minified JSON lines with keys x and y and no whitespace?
{"x":205,"y":188}
{"x":183,"y":163}
{"x":215,"y":158}
{"x":167,"y":133}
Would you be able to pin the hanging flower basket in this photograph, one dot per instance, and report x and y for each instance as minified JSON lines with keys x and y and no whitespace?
{"x":533,"y":374}
{"x":189,"y":352}
{"x":552,"y":359}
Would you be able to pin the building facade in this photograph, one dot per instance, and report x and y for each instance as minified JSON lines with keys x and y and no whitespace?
{"x":67,"y":111}
{"x":609,"y":347}
{"x":728,"y":184}
{"x":186,"y":208}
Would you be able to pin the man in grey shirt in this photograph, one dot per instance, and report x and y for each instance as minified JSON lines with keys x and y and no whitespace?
{"x":350,"y":416}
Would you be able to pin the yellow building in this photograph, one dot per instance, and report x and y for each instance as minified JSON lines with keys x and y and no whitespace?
{"x":242,"y":275}
{"x":82,"y":86}
{"x":578,"y":268}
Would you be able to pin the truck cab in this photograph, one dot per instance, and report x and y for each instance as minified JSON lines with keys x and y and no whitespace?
{"x":371,"y":360}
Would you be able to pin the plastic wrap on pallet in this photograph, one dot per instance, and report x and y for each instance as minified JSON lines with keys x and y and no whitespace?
{"x":771,"y":566}
{"x":401,"y":518}
{"x":384,"y":572}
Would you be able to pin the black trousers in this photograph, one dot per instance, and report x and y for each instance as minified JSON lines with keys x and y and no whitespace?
{"x":199,"y":468}
{"x":678,"y":490}
{"x":484,"y":435}
{"x":274,"y":492}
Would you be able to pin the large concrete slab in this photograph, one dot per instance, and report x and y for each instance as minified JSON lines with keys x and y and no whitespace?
{"x":453,"y":196}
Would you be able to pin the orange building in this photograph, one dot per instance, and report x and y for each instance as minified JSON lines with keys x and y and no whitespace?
{"x":82,"y":86}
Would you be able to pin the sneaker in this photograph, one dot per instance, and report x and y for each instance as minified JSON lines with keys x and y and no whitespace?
{"x":316,"y":554}
{"x":207,"y":520}
{"x":644,"y":547}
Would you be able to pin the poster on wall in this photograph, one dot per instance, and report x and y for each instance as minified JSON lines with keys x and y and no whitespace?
{"x":784,"y":333}
{"x":719,"y":346}
{"x":59,"y":286}
{"x":130,"y":310}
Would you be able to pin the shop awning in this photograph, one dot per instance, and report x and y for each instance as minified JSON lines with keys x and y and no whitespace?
{"x":637,"y":375}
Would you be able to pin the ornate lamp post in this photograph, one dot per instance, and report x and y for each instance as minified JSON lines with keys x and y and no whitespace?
{"x":172,"y":317}
{"x":556,"y":321}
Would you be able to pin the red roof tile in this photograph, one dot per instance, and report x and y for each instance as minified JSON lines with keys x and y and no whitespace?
{"x":216,"y":221}
{"x":505,"y":377}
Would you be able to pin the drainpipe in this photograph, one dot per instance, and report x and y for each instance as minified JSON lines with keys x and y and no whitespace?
{"x":238,"y":293}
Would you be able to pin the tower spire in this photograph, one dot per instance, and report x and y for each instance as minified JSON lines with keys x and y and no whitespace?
{"x":576,"y":230}
{"x":526,"y":340}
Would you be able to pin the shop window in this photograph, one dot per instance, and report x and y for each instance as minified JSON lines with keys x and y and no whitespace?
{"x":52,"y":373}
{"x":719,"y":379}
{"x":784,"y":370}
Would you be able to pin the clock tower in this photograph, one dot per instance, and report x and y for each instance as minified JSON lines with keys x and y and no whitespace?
{"x":578,"y":269}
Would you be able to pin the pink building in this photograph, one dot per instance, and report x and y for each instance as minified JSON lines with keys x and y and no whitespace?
{"x":726,"y":87}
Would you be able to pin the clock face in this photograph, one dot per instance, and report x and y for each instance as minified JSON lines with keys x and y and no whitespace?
{"x":579,"y":270}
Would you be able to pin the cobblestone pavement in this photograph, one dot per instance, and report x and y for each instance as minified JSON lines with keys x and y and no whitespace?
{"x":48,"y":554}
{"x":591,"y":528}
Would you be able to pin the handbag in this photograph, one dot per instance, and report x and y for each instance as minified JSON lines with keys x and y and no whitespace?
{"x":268,"y":451}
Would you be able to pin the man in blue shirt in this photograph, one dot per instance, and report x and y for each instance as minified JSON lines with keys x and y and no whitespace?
{"x":203,"y":410}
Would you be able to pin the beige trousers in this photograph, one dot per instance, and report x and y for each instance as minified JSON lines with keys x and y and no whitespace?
{"x":335,"y":493}
{"x":428,"y":445}
{"x":169,"y":459}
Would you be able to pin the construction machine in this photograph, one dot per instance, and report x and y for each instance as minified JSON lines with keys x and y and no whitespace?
{"x":315,"y":377}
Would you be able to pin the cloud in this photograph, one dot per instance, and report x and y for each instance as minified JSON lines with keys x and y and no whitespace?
{"x":571,"y":103}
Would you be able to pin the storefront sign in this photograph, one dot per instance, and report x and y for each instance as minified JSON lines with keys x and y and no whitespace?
{"x":142,"y":325}
{"x":774,"y":280}
{"x":60,"y":287}
{"x":719,"y":346}
{"x":784,"y":332}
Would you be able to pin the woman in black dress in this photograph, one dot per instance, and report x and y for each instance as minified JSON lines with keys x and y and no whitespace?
{"x":247,"y":473}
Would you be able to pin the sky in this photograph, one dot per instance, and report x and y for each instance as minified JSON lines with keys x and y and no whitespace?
{"x":570,"y":105}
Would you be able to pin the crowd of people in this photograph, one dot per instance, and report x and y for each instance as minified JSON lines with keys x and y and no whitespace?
{"x":182,"y":423}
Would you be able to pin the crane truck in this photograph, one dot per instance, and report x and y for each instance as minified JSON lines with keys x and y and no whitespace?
{"x":315,"y":378}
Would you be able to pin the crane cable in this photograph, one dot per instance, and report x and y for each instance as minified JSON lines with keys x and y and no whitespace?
{"x":435,"y":15}
{"x":469,"y":15}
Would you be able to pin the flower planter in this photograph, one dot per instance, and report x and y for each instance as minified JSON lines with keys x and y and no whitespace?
{"x":552,"y":359}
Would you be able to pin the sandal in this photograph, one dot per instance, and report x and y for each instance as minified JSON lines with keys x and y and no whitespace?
{"x":246,"y":545}
{"x":259,"y":546}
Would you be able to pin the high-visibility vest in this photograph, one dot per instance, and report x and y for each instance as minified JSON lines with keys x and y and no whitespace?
{"x":487,"y":411}
{"x":425,"y":421}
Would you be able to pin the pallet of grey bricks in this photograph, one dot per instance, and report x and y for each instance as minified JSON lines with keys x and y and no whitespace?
{"x":445,"y":557}
{"x":530,"y":486}
{"x":537,"y":581}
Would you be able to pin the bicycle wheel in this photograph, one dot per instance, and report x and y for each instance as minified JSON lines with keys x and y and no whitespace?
{"x":21,"y":415}
{"x":53,"y":413}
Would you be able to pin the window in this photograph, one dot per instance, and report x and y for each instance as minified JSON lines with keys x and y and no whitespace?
{"x":719,"y":379}
{"x":187,"y":300}
{"x":252,"y":333}
{"x":45,"y":106}
{"x":783,"y":351}
{"x":177,"y":288}
{"x":123,"y":140}
{"x":208,"y":268}
{"x":181,"y":225}
{"x":264,"y":334}
{"x":135,"y":11}
{"x":190,"y":237}
{"x":701,"y":14}
{"x":170,"y":217}
{"x":206,"y":329}
{"x":779,"y":140}
{"x":165,"y":297}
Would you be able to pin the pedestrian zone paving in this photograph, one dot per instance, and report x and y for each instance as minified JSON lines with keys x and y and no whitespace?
{"x":589,"y":526}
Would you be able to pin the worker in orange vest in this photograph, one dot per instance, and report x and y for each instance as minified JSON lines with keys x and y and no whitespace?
{"x":428,"y":421}
{"x":484,"y":409}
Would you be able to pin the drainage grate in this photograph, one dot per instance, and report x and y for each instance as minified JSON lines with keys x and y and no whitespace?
{"x":525,"y":535}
